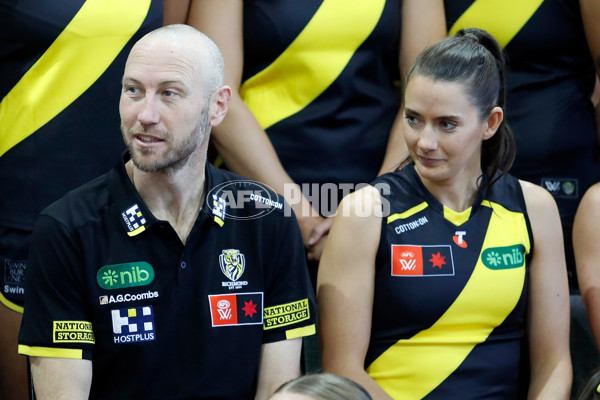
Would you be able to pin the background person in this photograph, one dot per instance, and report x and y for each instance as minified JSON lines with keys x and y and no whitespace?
{"x":60,"y":65}
{"x":148,"y":269}
{"x":321,"y":386}
{"x":438,"y":311}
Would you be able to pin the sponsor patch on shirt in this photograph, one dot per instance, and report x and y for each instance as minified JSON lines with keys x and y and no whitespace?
{"x":219,"y":209}
{"x":411,"y":260}
{"x":236,"y":309}
{"x":133,"y":220}
{"x":72,"y":332}
{"x":133,"y":325}
{"x":118,"y":276}
{"x":127,"y":297}
{"x":286,"y":314}
{"x":506,"y":257}
{"x":14,"y":277}
{"x":564,"y":188}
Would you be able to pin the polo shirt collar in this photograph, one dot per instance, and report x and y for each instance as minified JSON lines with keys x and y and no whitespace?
{"x":134,"y":215}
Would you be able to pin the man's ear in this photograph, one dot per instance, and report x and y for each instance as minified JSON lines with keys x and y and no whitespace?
{"x":493,"y":122}
{"x":219,"y":105}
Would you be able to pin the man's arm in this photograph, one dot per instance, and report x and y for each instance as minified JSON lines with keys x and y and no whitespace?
{"x":61,"y":378}
{"x":279,"y":363}
{"x":423,"y":23}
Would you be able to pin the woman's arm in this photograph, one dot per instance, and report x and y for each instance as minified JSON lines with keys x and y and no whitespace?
{"x":586,"y":245}
{"x":345,"y":287}
{"x":548,"y":306}
{"x":175,"y":11}
{"x":240,"y":140}
{"x":423,"y":23}
{"x":590,"y":14}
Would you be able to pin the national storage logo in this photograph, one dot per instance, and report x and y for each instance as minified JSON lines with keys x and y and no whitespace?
{"x":506,"y":257}
{"x":286,"y":314}
{"x":118,"y":276}
{"x":72,"y":332}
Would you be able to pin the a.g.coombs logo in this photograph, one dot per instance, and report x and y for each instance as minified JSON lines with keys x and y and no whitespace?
{"x":237,"y":194}
{"x":506,"y":257}
{"x":118,"y":276}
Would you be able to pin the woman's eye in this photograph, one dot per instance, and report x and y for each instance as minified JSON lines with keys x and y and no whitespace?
{"x":448,"y":125}
{"x":411,"y":120}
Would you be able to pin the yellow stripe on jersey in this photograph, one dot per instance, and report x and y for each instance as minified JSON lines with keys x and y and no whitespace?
{"x":457,"y":218}
{"x":502,"y":18}
{"x":489,"y":296}
{"x":301,"y":332}
{"x":313,"y":61}
{"x":35,"y":351}
{"x":407,"y":213}
{"x":10,"y":304}
{"x":76,"y":59}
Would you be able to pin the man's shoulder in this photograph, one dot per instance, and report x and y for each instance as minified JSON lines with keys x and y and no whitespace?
{"x":81,"y":204}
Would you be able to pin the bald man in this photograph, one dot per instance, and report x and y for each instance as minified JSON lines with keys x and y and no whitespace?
{"x":167,"y":278}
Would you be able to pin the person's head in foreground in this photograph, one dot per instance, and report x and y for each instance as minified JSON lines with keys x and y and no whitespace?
{"x":322,"y":386}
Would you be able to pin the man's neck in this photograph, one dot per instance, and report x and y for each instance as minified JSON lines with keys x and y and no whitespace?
{"x":176,"y":198}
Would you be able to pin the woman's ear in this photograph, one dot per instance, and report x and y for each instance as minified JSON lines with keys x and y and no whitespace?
{"x":493,"y":122}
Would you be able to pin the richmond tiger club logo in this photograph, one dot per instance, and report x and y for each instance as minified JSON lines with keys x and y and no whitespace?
{"x":233,"y":265}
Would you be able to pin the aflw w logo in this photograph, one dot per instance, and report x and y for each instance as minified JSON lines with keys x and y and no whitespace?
{"x":408,"y":265}
{"x":225,"y":313}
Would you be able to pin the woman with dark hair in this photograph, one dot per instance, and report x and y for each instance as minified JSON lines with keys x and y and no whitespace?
{"x":322,"y":386}
{"x":434,"y":275}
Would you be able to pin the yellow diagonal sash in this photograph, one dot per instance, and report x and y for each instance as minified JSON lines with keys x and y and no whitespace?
{"x":502,"y":18}
{"x":76,"y":59}
{"x":312,"y":61}
{"x":412,"y":368}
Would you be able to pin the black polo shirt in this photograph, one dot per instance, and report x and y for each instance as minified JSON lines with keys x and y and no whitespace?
{"x":159,"y":319}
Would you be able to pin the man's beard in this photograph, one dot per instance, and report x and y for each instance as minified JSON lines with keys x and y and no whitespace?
{"x":174,"y":159}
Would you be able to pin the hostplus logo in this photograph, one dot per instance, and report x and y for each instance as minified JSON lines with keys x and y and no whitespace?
{"x":118,"y":276}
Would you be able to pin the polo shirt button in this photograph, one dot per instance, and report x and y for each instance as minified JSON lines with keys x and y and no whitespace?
{"x":183,"y":265}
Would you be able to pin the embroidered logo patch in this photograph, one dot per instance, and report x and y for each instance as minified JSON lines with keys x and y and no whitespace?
{"x":236,"y":309}
{"x":132,"y":325}
{"x":561,"y":187}
{"x":219,"y":209}
{"x":504,"y":257}
{"x":72,"y":332}
{"x":410,"y":260}
{"x":14,"y":277}
{"x":118,"y":276}
{"x":233,"y":265}
{"x":459,"y":239}
{"x":134,"y":220}
{"x":286,"y":314}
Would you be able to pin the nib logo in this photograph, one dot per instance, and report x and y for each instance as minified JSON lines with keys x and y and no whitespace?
{"x":458,"y":239}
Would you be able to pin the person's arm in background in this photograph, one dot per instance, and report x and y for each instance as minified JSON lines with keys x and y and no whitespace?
{"x":175,"y":11}
{"x":590,"y":14}
{"x":279,"y":363}
{"x":345,"y":288}
{"x":61,"y":378}
{"x":240,"y":139}
{"x":586,"y":245}
{"x":423,"y":23}
{"x":548,"y":305}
